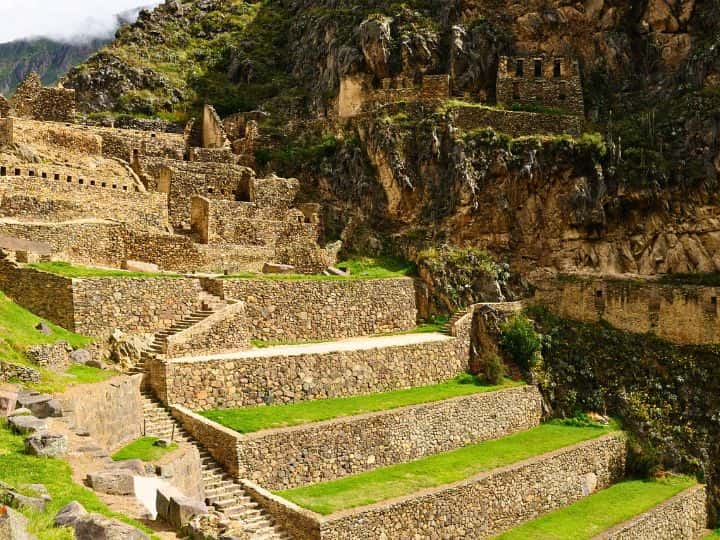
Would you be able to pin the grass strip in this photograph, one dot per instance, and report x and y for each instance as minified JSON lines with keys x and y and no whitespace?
{"x":76,"y":271}
{"x":143,"y":449}
{"x":250,"y":419}
{"x":601,"y":511}
{"x":360,"y":268}
{"x":17,"y":468}
{"x":407,"y":478}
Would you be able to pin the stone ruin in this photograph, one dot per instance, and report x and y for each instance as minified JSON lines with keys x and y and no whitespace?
{"x":4,"y":107}
{"x":541,"y":80}
{"x":34,"y":101}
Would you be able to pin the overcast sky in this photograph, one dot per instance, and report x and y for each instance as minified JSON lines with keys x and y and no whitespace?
{"x":62,"y":19}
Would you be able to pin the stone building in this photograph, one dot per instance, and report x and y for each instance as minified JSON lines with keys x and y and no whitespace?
{"x":541,"y":80}
{"x":34,"y":101}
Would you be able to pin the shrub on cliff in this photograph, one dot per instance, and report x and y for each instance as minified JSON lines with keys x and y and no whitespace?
{"x":521,"y":341}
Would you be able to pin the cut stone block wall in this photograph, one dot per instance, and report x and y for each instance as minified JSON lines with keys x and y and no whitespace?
{"x":66,"y":177}
{"x":684,"y":314}
{"x":132,"y":304}
{"x":562,"y":89}
{"x":213,"y":131}
{"x":47,"y":199}
{"x":32,"y":100}
{"x":183,"y":470}
{"x":684,"y":517}
{"x":476,"y":507}
{"x":517,"y":123}
{"x":291,"y":457}
{"x":61,"y":136}
{"x":306,"y":310}
{"x":224,"y":331}
{"x":249,"y":379}
{"x":111,"y":411}
{"x":6,"y":131}
{"x":128,"y":144}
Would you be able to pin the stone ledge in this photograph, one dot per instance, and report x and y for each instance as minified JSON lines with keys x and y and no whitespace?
{"x":682,"y":517}
{"x":291,"y":457}
{"x":478,"y":504}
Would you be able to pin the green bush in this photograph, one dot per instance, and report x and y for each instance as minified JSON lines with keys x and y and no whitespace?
{"x":493,"y":369}
{"x":521,"y":342}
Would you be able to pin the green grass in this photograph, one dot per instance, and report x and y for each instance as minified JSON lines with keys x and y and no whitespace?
{"x":714,"y":534}
{"x":591,"y":516}
{"x":361,"y":268}
{"x":701,"y":279}
{"x":17,"y":333}
{"x":17,"y":468}
{"x":75,"y":271}
{"x":143,"y":449}
{"x":250,"y":419}
{"x":398,"y":480}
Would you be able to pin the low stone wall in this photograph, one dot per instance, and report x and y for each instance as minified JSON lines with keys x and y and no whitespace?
{"x":6,"y":131}
{"x":223,"y":331}
{"x":291,"y":457}
{"x":14,"y":372}
{"x":517,"y":123}
{"x":111,"y":411}
{"x":299,"y":523}
{"x":684,"y":517}
{"x":46,"y":295}
{"x":309,"y":310}
{"x":256,"y":378}
{"x":478,"y":506}
{"x":132,"y":304}
{"x":686,"y":315}
{"x":220,"y":441}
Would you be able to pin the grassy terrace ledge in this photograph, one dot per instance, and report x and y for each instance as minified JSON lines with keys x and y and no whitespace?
{"x":398,"y":480}
{"x":601,"y":511}
{"x":252,"y":419}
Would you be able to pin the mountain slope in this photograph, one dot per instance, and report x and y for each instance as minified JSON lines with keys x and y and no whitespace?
{"x":49,"y":58}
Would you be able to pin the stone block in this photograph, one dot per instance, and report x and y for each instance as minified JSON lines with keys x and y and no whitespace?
{"x":13,"y":525}
{"x":27,"y":425}
{"x":138,"y":266}
{"x":113,"y":481}
{"x":177,"y":509}
{"x":46,"y":445}
{"x":69,"y":514}
{"x":97,"y":527}
{"x":272,"y":268}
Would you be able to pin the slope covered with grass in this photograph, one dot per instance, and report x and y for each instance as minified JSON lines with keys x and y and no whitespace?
{"x":16,"y":469}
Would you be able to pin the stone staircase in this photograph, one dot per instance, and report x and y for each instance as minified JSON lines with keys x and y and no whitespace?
{"x":222,"y":491}
{"x":209,"y":304}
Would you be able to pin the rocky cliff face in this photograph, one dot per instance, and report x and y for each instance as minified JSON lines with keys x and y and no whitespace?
{"x":637,"y":197}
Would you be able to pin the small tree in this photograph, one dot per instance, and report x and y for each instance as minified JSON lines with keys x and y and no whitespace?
{"x":521,"y":342}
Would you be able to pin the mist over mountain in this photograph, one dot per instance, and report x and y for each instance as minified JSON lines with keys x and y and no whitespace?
{"x":53,"y":57}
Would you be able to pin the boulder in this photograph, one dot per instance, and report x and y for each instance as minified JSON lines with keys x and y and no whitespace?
{"x":44,"y":329}
{"x":17,"y":500}
{"x":113,"y":482}
{"x":27,"y":425}
{"x":69,"y":514}
{"x":138,"y":266}
{"x":177,"y":509}
{"x":81,"y":356}
{"x":13,"y":525}
{"x":97,"y":527}
{"x":127,"y":349}
{"x":41,"y":405}
{"x":273,"y":268}
{"x":46,"y":445}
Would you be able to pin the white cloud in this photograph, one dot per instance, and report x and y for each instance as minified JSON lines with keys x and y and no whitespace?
{"x":63,"y":20}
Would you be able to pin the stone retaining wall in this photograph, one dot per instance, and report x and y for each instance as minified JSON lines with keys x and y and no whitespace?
{"x":310,"y":310}
{"x":478,"y":507}
{"x":292,"y":457}
{"x":111,"y":411}
{"x":684,"y":517}
{"x":517,"y":123}
{"x":220,"y":441}
{"x":132,"y":304}
{"x":46,"y":295}
{"x":23,"y":374}
{"x":201,"y":384}
{"x":223,"y":331}
{"x":686,"y":315}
